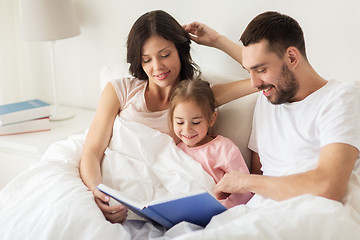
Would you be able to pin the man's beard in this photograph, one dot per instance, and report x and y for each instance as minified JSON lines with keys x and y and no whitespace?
{"x":286,"y":89}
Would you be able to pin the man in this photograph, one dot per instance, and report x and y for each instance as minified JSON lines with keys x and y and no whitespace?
{"x":306,"y":131}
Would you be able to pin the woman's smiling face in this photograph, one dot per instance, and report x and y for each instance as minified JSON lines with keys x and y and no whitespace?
{"x":160,"y":61}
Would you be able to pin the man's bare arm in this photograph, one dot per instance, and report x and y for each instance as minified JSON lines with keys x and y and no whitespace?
{"x":329,"y":179}
{"x":255,"y":164}
{"x":226,"y":92}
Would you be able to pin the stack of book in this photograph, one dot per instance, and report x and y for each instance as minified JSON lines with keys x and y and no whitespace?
{"x":24,"y":117}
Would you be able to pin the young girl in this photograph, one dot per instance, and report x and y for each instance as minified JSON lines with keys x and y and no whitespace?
{"x":191,"y":114}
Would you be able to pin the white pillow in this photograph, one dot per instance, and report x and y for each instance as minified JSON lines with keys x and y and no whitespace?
{"x":114,"y":71}
{"x":234,"y":119}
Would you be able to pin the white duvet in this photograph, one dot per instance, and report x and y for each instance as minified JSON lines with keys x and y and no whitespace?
{"x":49,"y":200}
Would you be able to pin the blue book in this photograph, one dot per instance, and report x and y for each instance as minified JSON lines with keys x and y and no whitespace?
{"x":197,"y":208}
{"x":23,"y":111}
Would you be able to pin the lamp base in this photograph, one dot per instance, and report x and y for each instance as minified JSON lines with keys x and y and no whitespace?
{"x":61,"y":113}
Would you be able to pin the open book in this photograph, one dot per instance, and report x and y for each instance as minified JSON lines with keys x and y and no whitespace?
{"x":197,"y":208}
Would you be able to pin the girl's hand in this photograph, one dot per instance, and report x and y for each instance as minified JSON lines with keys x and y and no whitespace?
{"x":202,"y":34}
{"x":114,"y":214}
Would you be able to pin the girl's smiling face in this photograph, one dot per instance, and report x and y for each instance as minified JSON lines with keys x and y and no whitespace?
{"x":191,"y":125}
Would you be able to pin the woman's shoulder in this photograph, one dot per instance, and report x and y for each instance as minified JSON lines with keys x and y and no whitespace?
{"x":127,"y":86}
{"x":128,"y":82}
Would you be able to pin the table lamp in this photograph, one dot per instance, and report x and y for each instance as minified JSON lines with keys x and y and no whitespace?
{"x":50,"y":20}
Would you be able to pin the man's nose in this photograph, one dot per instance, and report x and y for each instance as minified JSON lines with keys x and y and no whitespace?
{"x":255,"y":80}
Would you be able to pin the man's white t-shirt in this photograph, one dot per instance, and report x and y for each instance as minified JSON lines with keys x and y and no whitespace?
{"x":291,"y":134}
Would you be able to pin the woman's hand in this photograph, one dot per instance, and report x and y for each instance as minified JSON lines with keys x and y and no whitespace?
{"x":202,"y":34}
{"x":114,"y":214}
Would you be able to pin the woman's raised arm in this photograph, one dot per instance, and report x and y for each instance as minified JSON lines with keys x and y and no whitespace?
{"x":204,"y":35}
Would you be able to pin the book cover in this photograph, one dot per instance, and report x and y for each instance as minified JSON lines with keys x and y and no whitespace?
{"x":197,"y":208}
{"x":23,"y":111}
{"x":36,"y":125}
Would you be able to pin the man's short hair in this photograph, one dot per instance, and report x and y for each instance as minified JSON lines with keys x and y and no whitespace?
{"x":279,"y":30}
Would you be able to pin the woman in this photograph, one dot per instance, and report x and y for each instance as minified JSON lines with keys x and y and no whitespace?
{"x":158,"y":50}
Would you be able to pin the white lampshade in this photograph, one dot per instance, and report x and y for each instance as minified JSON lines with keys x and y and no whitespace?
{"x":48,"y":20}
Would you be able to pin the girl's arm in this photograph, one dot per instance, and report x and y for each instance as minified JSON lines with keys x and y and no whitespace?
{"x":97,"y":139}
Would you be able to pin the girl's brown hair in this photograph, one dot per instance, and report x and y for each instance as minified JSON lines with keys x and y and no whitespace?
{"x":195,"y":90}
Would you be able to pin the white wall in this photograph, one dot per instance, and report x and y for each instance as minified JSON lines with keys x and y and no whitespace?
{"x":8,"y":60}
{"x":331,"y":32}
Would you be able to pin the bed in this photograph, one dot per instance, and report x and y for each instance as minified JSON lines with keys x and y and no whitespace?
{"x":49,"y":200}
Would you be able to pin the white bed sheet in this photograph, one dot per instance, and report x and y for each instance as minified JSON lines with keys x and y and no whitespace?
{"x":303,"y":217}
{"x":49,"y":201}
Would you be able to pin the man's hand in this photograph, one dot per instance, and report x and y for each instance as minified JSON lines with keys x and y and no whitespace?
{"x":329,"y":179}
{"x":230,"y":183}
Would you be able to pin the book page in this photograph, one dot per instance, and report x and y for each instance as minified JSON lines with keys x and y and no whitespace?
{"x":121,"y":197}
{"x":174,"y":197}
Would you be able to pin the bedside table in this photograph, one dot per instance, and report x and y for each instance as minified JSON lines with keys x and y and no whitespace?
{"x":18,"y":152}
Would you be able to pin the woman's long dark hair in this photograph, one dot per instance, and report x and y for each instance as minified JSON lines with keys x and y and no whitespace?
{"x":159,"y":23}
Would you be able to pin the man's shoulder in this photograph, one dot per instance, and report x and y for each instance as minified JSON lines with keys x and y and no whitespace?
{"x":345,"y":92}
{"x":349,"y":87}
